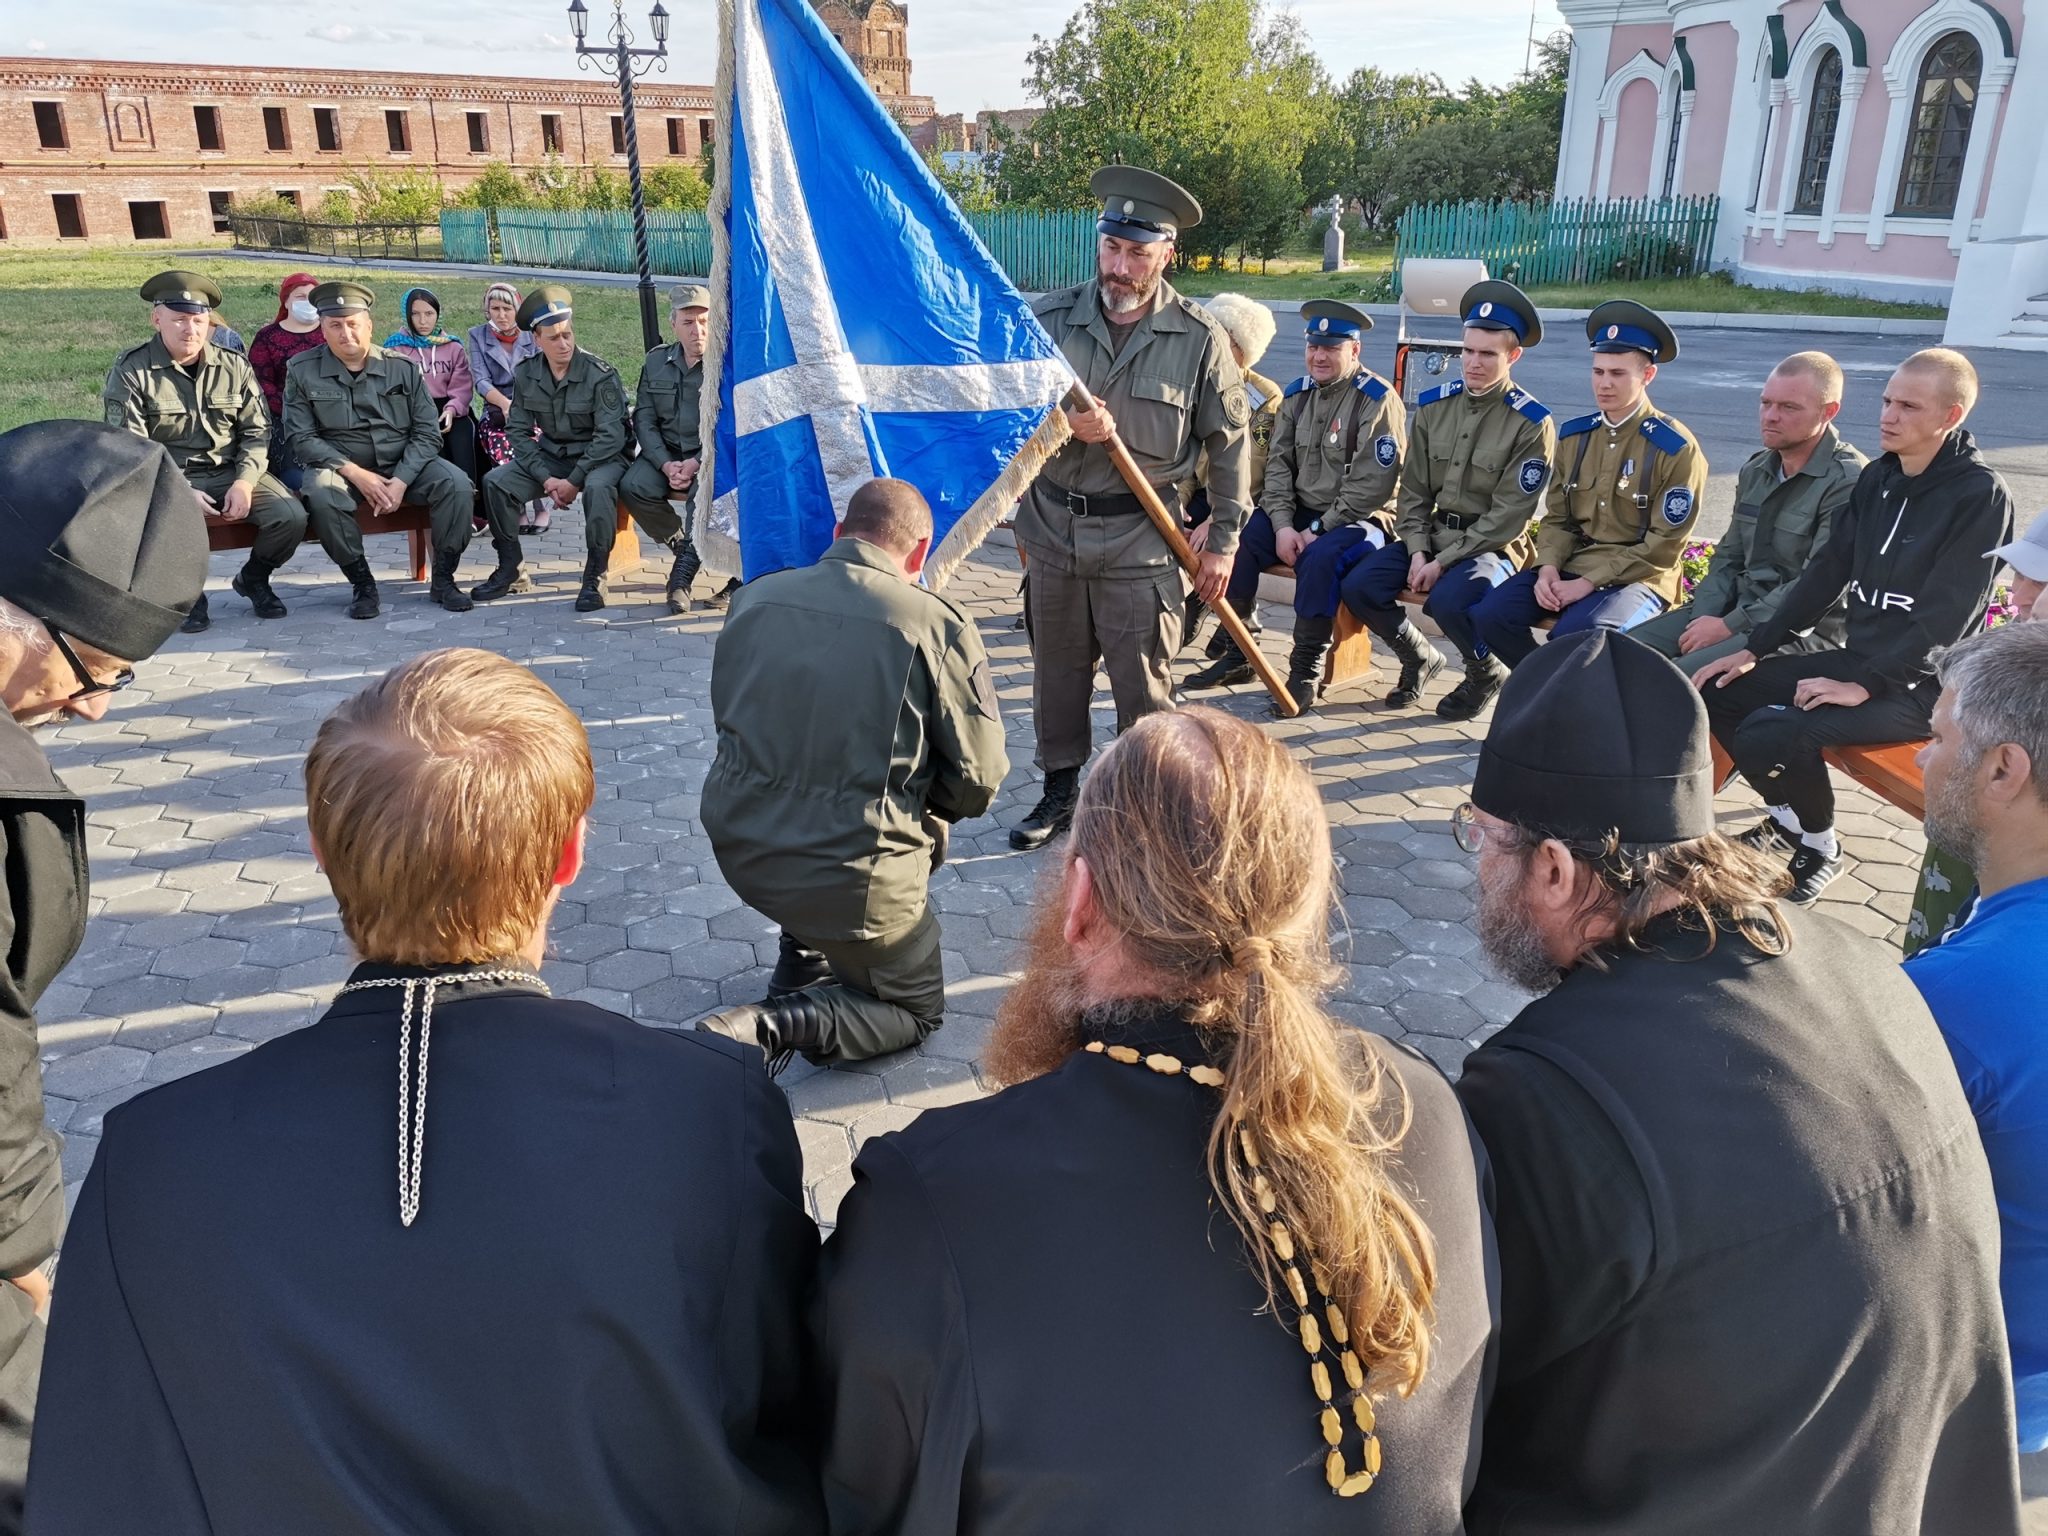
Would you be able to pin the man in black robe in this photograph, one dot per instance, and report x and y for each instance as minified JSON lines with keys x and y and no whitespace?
{"x":101,"y":558}
{"x":1041,"y":1316}
{"x":580,"y":1309}
{"x":1749,"y":1248}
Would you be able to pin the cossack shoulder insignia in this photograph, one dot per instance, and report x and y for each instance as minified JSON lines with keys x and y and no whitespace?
{"x":1449,"y":391}
{"x":1526,"y":404}
{"x":1370,"y":385}
{"x":1664,"y":437}
{"x":1579,"y":424}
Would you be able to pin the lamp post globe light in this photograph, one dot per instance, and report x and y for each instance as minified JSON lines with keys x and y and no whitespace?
{"x":620,"y":58}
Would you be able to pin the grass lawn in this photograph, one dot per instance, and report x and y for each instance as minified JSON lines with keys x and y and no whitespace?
{"x":64,"y":315}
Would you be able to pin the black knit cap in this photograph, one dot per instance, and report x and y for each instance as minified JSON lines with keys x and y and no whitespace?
{"x":100,"y":536}
{"x":1597,"y":734}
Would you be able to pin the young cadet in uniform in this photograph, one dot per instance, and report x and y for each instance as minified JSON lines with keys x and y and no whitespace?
{"x":1625,"y":494}
{"x":1104,"y":585}
{"x":1786,"y":498}
{"x":362,"y":423}
{"x":103,"y":560}
{"x":665,"y":419}
{"x":856,"y":720}
{"x":577,"y":402}
{"x":1909,"y":551}
{"x":1335,"y":459}
{"x":1479,"y":452}
{"x":204,"y":405}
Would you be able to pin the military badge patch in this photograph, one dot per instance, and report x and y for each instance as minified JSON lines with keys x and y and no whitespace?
{"x":1237,"y":405}
{"x":1386,"y":450}
{"x":1677,"y":506}
{"x":1530,"y":476}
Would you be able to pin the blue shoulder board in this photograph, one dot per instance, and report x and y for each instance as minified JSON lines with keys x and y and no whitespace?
{"x":1579,"y":424}
{"x":1526,"y":403}
{"x":1304,"y":382}
{"x":1664,"y":437}
{"x":1371,"y":385}
{"x":1449,"y":391}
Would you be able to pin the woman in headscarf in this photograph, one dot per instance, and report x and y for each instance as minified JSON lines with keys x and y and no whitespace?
{"x":445,"y":362}
{"x":293,"y":330}
{"x":495,"y":347}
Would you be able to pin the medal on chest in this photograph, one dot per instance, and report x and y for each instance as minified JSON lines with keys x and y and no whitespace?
{"x":1628,"y":467}
{"x":1336,"y":434}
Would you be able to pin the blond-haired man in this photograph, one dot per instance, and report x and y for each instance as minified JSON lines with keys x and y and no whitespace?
{"x":1786,"y":498}
{"x":1908,"y":550}
{"x":271,"y":1320}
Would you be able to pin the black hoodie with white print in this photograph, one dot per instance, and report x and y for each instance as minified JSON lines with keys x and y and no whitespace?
{"x":1909,"y":551}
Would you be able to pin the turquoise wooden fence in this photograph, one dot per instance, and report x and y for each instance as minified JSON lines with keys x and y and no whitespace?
{"x":1040,"y":250}
{"x":1571,"y":240}
{"x":465,"y":234}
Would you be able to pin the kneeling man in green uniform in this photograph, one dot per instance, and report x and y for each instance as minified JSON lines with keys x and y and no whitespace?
{"x":856,"y":720}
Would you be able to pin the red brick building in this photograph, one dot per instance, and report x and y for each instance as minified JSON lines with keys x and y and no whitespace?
{"x":113,"y":153}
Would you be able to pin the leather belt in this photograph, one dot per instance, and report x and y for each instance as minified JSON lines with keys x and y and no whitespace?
{"x":1457,"y":522}
{"x":1121,"y":505}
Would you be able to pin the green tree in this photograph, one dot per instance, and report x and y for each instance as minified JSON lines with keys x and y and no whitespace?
{"x":971,"y":187}
{"x":675,"y":188}
{"x":498,"y":187}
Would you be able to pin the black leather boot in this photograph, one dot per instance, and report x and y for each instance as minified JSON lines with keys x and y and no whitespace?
{"x":366,"y":605}
{"x":443,"y":590}
{"x":780,"y":1028}
{"x":682,"y":573}
{"x":1220,"y":642}
{"x":1305,"y":663}
{"x":253,"y":582}
{"x":509,"y":577}
{"x":1420,"y":662}
{"x":1226,"y":671}
{"x":199,"y":620}
{"x":590,"y":596}
{"x":1194,"y":614}
{"x":1054,"y":812}
{"x":1483,"y":677}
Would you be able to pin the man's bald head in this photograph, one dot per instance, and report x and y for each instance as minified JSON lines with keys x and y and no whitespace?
{"x":1817,"y":368}
{"x":1953,"y":375}
{"x":892,"y":514}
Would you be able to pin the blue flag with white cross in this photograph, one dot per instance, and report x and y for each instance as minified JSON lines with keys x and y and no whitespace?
{"x":861,"y":328}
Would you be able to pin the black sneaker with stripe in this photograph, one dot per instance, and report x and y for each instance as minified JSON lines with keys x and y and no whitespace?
{"x":1812,"y":872}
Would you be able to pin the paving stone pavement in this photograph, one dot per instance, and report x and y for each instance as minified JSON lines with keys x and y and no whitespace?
{"x":212,"y":931}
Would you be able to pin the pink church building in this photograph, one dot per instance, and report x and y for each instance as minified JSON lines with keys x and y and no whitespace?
{"x":1892,"y":148}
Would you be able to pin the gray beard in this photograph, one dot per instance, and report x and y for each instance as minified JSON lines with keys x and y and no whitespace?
{"x":1950,"y":821}
{"x":1512,"y":944}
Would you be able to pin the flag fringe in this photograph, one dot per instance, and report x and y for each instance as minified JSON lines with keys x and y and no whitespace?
{"x":719,"y":551}
{"x":994,"y":504}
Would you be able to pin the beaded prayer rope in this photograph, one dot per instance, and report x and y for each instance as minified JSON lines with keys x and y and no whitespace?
{"x":1344,"y":1483}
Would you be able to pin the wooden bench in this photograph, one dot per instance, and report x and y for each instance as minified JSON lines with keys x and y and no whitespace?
{"x":1351,"y":648}
{"x":1889,"y":770}
{"x":412,"y":521}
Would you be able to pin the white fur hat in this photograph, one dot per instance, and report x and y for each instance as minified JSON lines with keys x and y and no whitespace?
{"x":1247,"y":322}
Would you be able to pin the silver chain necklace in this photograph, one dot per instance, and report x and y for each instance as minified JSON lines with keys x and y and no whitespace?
{"x":412,"y":1106}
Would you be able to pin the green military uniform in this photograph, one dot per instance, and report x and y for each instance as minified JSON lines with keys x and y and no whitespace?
{"x":1779,"y":521}
{"x":1336,"y":454}
{"x":582,"y":422}
{"x":1472,"y":482}
{"x":1623,"y":501}
{"x":853,"y":710}
{"x":667,"y":423}
{"x":377,"y":417}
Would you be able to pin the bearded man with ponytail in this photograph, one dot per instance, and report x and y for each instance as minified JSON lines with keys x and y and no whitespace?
{"x":1214,"y":1262}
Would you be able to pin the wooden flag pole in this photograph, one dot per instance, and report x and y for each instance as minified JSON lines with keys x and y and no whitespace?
{"x":1169,"y":530}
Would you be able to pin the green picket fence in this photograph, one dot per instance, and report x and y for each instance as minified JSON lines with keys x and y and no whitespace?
{"x":466,"y":234}
{"x":1039,"y":250}
{"x":1571,"y":240}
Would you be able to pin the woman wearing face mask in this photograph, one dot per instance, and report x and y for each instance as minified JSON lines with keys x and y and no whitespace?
{"x":445,"y":362}
{"x":495,"y":347}
{"x":296,"y":329}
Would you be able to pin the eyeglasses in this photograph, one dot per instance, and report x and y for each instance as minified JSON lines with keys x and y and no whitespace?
{"x":93,"y":687}
{"x":1467,"y":829}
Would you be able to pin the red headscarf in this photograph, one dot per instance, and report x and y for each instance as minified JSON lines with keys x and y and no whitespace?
{"x":296,"y":280}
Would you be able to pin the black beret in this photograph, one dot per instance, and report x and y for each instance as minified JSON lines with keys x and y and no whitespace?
{"x":1597,"y":734}
{"x":103,"y":538}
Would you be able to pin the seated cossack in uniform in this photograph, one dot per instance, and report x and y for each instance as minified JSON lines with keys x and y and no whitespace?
{"x":1335,"y":459}
{"x":1623,"y":500}
{"x":576,"y":402}
{"x":666,"y":417}
{"x":202,"y":402}
{"x":362,"y":423}
{"x":1479,"y":452}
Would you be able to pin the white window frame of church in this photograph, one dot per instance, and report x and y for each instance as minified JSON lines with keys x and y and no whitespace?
{"x":1823,"y":33}
{"x":1902,"y":82}
{"x":1770,"y":97}
{"x":1674,"y":116}
{"x":1641,"y":67}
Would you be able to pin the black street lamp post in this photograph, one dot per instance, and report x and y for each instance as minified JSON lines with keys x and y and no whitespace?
{"x":622,"y":59}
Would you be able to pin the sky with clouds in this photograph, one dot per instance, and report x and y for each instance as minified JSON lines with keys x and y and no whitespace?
{"x":969,"y":54}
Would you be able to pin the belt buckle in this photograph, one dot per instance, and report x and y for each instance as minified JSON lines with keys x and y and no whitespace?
{"x":1077,"y":504}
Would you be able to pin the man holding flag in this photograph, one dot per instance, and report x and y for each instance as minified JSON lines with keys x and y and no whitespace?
{"x":1103,"y":583}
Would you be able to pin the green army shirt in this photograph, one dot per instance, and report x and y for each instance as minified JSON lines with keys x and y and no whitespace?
{"x":209,"y":414}
{"x":1336,"y":453}
{"x":1175,"y":392}
{"x":666,"y":406}
{"x":849,"y":704}
{"x":581,"y":416}
{"x":379,"y":418}
{"x":1623,"y":499}
{"x":1778,"y":523}
{"x":1473,"y":479}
